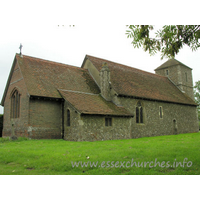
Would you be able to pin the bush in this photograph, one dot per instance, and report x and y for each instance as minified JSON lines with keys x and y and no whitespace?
{"x":2,"y":140}
{"x":23,"y":138}
{"x":8,"y":139}
{"x":1,"y":125}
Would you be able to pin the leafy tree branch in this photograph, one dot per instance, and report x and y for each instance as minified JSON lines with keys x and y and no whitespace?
{"x":168,"y":40}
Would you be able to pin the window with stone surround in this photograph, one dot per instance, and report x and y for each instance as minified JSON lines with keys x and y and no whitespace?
{"x":186,"y":79}
{"x":139,"y":113}
{"x":160,"y":112}
{"x":68,"y":117}
{"x":167,"y":72}
{"x":15,"y":104}
{"x":108,"y":121}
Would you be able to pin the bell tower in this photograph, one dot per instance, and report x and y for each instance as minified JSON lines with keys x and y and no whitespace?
{"x":179,"y":74}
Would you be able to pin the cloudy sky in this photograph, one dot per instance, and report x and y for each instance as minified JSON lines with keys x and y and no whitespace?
{"x":36,"y":27}
{"x":99,"y":31}
{"x":69,"y":45}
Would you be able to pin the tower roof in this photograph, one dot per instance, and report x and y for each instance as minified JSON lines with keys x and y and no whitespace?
{"x":171,"y":62}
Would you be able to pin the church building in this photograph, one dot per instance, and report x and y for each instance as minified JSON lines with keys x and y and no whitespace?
{"x":101,"y":100}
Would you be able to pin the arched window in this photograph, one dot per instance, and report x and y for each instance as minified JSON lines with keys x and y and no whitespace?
{"x":15,"y":104}
{"x":139,"y":113}
{"x":68,"y":117}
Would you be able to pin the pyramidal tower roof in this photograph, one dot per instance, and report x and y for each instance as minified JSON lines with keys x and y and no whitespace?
{"x":171,"y":62}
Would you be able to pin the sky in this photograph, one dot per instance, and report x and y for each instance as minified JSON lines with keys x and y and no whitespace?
{"x":43,"y":29}
{"x":99,"y":31}
{"x":67,"y":44}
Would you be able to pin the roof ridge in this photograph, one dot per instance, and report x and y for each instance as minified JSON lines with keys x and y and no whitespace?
{"x":77,"y":92}
{"x":44,"y":60}
{"x":123,"y":65}
{"x":181,"y":63}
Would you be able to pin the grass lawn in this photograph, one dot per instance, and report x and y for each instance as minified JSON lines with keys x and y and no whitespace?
{"x":56,"y":156}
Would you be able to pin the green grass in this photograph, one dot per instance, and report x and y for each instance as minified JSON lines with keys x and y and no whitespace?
{"x":55,"y":156}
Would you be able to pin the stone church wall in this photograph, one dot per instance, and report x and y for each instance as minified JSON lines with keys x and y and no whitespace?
{"x":175,"y":119}
{"x":185,"y":118}
{"x":45,"y":120}
{"x":17,"y":126}
{"x":181,"y":77}
{"x":187,"y":81}
{"x":94,"y":128}
{"x":74,"y":131}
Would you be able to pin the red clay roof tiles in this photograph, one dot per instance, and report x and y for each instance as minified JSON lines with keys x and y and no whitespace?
{"x":133,"y":82}
{"x":43,"y":77}
{"x":93,"y":104}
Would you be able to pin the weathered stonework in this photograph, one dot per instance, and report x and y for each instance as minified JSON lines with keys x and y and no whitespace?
{"x":37,"y":118}
{"x":153,"y":125}
{"x":92,"y":128}
{"x":20,"y":125}
{"x":181,"y":76}
{"x":47,"y":117}
{"x":72,"y":132}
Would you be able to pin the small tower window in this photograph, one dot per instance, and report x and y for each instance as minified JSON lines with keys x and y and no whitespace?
{"x":68,"y":117}
{"x":108,"y":121}
{"x":139,"y":113}
{"x":15,"y":104}
{"x":186,"y":77}
{"x":167,"y":72}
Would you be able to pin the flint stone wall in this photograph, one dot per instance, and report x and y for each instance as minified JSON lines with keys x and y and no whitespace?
{"x":185,"y":116}
{"x":92,"y":127}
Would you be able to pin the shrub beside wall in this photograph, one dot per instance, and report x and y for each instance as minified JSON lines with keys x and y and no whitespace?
{"x":1,"y":125}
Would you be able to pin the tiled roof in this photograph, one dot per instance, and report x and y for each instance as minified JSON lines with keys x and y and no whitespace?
{"x":43,"y":77}
{"x":129,"y":81}
{"x":93,"y":104}
{"x":171,"y":62}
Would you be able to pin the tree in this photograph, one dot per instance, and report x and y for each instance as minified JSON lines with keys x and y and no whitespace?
{"x":168,"y":40}
{"x":197,"y":95}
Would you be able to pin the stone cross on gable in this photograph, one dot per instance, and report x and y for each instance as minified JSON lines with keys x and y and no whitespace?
{"x":20,"y":47}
